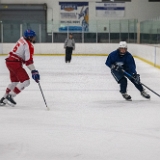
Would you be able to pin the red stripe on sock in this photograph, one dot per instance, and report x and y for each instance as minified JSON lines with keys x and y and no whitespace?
{"x":16,"y":90}
{"x":8,"y":90}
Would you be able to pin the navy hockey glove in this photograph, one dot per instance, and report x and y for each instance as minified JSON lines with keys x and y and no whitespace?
{"x":136,"y":78}
{"x":35,"y":75}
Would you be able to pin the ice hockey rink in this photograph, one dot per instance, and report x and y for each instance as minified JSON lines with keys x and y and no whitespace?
{"x":88,"y":118}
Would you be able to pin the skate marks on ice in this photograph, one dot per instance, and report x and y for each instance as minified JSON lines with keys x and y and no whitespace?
{"x":18,"y":150}
{"x":89,"y":120}
{"x":124,"y":103}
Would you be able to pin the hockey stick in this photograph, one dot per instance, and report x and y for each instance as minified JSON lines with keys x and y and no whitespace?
{"x":130,"y":76}
{"x":43,"y":95}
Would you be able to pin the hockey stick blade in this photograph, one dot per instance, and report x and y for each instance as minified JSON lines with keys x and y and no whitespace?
{"x":130,"y":76}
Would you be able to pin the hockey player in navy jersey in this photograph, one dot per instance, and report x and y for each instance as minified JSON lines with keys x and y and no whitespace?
{"x":122,"y":59}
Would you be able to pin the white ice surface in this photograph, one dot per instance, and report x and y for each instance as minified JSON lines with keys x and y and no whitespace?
{"x":88,"y":118}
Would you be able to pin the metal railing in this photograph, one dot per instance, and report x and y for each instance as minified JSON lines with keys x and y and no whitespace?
{"x":106,"y":31}
{"x":150,"y":31}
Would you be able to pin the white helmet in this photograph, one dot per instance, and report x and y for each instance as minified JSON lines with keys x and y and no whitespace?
{"x":122,"y":44}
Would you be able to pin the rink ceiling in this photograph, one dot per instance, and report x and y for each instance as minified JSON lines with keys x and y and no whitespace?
{"x":88,"y":118}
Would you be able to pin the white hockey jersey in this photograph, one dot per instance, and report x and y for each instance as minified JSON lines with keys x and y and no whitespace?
{"x":23,"y":51}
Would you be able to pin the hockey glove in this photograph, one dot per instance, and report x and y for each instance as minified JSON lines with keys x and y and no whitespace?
{"x":136,"y":78}
{"x":117,"y":67}
{"x":35,"y":75}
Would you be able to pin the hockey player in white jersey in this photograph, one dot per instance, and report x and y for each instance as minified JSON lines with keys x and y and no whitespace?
{"x":22,"y":53}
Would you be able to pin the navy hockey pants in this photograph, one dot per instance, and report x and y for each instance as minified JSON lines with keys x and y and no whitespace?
{"x":122,"y":80}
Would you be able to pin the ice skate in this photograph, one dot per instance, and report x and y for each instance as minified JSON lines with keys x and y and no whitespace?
{"x":126,"y":96}
{"x":145,"y":94}
{"x":10,"y":99}
{"x":2,"y":103}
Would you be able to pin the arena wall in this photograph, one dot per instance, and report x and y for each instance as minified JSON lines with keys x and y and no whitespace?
{"x":149,"y":54}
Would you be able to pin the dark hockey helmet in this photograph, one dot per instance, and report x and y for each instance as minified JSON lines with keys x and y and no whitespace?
{"x":29,"y":33}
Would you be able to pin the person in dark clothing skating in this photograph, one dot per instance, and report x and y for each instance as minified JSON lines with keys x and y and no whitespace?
{"x":122,"y":59}
{"x":69,"y":46}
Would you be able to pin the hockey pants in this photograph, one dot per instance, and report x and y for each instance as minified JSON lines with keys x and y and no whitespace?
{"x":122,"y":81}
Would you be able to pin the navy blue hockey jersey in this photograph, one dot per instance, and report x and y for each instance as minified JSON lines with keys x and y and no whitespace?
{"x":127,"y":60}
